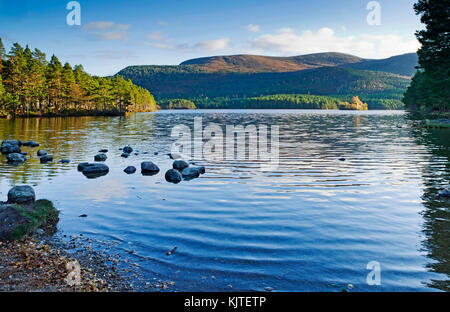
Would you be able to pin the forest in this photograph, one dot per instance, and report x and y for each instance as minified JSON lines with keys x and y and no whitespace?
{"x":32,"y":86}
{"x":283,"y":101}
{"x":380,"y":90}
{"x":429,"y":91}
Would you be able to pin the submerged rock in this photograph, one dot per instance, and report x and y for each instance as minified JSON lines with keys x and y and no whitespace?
{"x":173,"y":176}
{"x":10,"y":146}
{"x":100,"y":157}
{"x":179,"y":165}
{"x":130,"y":169}
{"x":103,"y":150}
{"x":127,"y":149}
{"x":149,"y":168}
{"x":30,"y":144}
{"x":21,"y":195}
{"x":95,"y":170}
{"x":125,"y":155}
{"x":64,"y":161}
{"x":41,"y":153}
{"x":15,"y":158}
{"x":45,"y":159}
{"x":445,"y":192}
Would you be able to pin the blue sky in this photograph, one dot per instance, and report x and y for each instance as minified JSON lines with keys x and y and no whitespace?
{"x":115,"y":34}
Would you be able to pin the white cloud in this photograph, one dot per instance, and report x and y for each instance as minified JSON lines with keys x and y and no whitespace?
{"x":113,"y":35}
{"x":213,"y":45}
{"x":156,"y":35}
{"x":123,"y":26}
{"x":252,"y":28}
{"x":107,"y":30}
{"x":115,"y":54}
{"x":287,"y":42}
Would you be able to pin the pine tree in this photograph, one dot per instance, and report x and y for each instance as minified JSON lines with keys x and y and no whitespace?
{"x":430,"y":87}
{"x":53,"y":76}
{"x":2,"y":54}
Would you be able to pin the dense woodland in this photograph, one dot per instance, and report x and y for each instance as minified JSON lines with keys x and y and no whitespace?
{"x":176,"y":104}
{"x":380,"y":90}
{"x":430,"y":87}
{"x":32,"y":86}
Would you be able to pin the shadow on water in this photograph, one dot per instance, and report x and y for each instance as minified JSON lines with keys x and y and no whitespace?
{"x":436,"y":214}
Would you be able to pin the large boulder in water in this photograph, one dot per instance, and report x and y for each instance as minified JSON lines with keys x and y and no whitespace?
{"x":100,"y":157}
{"x":21,"y":195}
{"x":190,"y":173}
{"x":173,"y":176}
{"x":95,"y":170}
{"x":149,"y":168}
{"x":130,"y":169}
{"x":81,"y":166}
{"x":18,"y":221}
{"x":10,"y":146}
{"x":180,"y":165}
{"x":15,"y":158}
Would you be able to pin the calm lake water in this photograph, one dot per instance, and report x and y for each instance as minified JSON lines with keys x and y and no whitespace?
{"x":312,"y":224}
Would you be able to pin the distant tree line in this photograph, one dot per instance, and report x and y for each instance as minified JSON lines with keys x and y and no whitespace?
{"x":176,"y":104}
{"x":281,"y":101}
{"x":430,"y":87}
{"x":32,"y":86}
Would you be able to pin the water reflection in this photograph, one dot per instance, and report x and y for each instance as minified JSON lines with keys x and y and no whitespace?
{"x":313,"y":221}
{"x":436,"y":175}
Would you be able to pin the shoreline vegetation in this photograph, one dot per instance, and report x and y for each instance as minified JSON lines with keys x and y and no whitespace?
{"x":31,"y":86}
{"x":277,"y":101}
{"x":429,"y":92}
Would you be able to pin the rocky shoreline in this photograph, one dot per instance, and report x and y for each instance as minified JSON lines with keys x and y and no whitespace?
{"x":33,"y":258}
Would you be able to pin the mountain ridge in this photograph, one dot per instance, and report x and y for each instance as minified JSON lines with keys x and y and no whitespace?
{"x":250,"y":63}
{"x":241,"y":76}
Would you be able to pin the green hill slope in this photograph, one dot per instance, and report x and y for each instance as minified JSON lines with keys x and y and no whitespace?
{"x":186,"y":81}
{"x":401,"y":64}
{"x":241,"y":76}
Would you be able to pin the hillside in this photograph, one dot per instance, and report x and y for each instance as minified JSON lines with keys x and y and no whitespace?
{"x":401,"y":64}
{"x":240,"y":76}
{"x":259,"y":64}
{"x":187,"y":82}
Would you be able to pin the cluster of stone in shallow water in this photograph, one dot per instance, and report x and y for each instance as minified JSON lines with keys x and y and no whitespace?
{"x":15,"y":156}
{"x":181,"y":169}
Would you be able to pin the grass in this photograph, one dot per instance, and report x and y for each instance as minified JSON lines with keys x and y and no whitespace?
{"x":42,"y":215}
